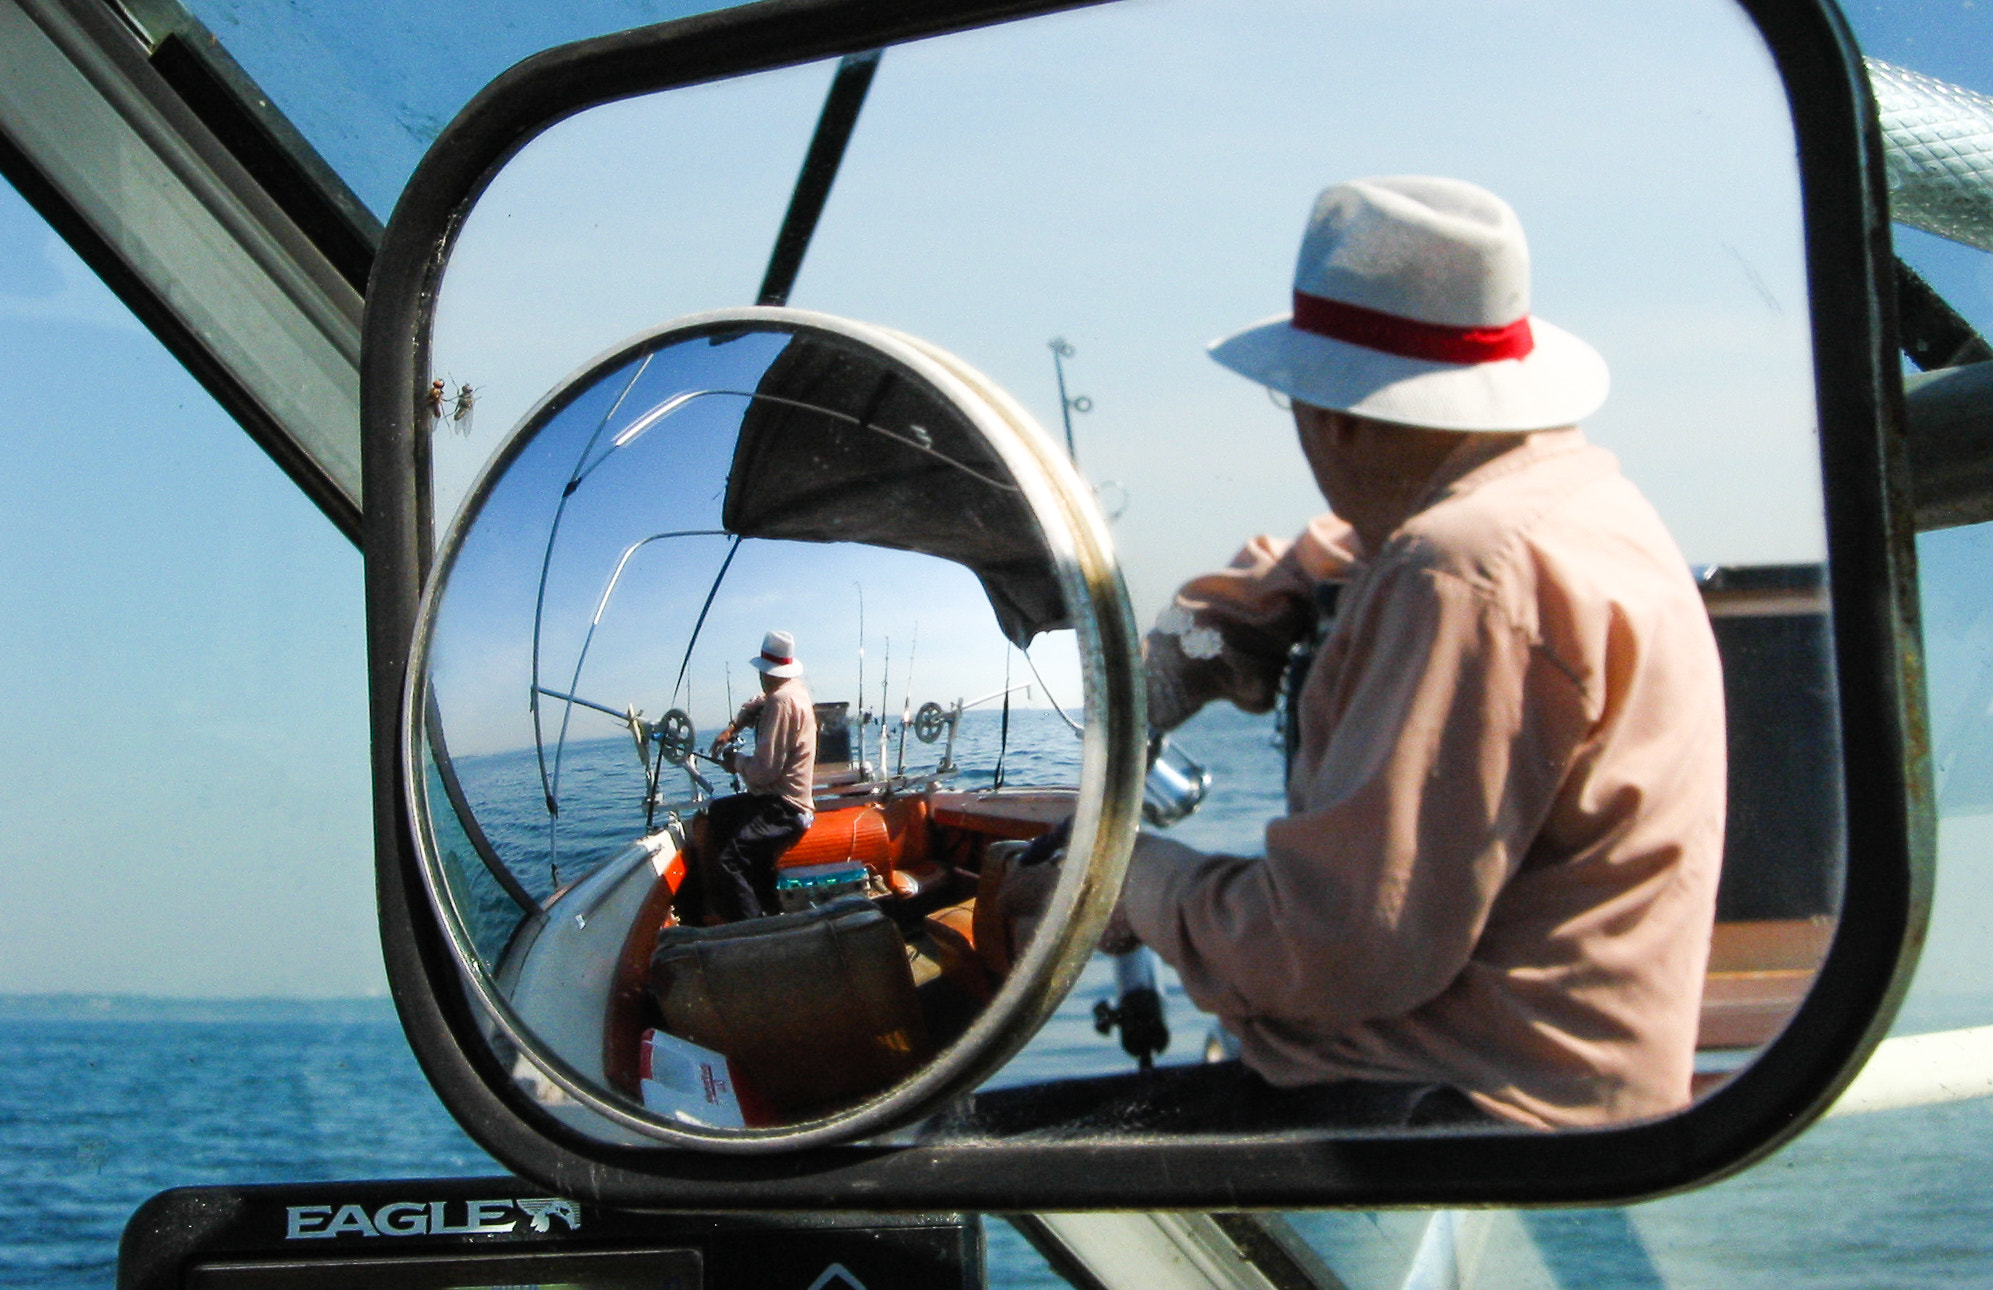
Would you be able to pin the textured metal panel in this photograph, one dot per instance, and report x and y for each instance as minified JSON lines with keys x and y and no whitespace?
{"x":1938,"y":153}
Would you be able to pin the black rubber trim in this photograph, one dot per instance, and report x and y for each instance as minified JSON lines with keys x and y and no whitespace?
{"x":298,"y":192}
{"x":1873,"y":583}
{"x":1934,"y":334}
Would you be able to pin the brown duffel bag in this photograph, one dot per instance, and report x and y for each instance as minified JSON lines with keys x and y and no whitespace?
{"x":811,"y":1010}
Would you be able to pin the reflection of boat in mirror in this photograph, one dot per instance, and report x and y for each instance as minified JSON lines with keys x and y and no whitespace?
{"x":916,"y":847}
{"x":746,"y":469}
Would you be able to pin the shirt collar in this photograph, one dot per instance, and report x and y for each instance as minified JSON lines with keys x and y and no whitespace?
{"x":1481,"y":459}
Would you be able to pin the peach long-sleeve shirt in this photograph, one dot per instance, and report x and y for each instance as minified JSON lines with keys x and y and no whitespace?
{"x":785,"y":744}
{"x":1499,"y":865}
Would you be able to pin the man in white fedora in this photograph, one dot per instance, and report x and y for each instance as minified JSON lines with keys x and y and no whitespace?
{"x":747,"y":833}
{"x":1492,"y":894}
{"x":1497,"y":874}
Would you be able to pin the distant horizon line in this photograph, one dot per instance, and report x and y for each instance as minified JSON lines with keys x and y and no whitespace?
{"x":984,"y":711}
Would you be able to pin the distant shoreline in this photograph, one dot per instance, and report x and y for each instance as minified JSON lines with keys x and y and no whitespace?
{"x":140,"y":1008}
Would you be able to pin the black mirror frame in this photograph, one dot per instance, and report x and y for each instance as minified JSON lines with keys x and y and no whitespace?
{"x":1871,"y":561}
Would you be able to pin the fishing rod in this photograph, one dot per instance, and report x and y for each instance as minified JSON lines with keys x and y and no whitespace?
{"x":906,"y":701}
{"x":861,"y":671}
{"x":1062,"y":350}
{"x":820,"y":165}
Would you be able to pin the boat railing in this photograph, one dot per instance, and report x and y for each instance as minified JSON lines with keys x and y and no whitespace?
{"x":453,"y":791}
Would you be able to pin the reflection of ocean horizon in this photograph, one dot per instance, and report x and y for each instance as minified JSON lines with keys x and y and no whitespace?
{"x":601,"y":789}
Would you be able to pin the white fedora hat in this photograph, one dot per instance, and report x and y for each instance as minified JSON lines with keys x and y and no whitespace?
{"x":1411,"y":305}
{"x":777,"y":657}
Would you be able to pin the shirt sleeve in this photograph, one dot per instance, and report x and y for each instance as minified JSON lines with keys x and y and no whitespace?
{"x":1432,"y":753}
{"x":1226,"y":635}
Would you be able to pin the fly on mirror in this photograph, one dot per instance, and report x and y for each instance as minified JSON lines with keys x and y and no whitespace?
{"x":747,"y":676}
{"x":1493,"y":734}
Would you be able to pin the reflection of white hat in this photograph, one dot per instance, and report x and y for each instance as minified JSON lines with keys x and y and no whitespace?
{"x":1411,"y":305}
{"x":778,"y":656}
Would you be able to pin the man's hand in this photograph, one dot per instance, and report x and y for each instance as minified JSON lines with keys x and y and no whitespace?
{"x":1027,"y":889}
{"x":723,"y":750}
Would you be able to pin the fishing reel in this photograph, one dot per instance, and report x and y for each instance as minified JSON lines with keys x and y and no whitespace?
{"x":929,"y":722}
{"x":676,"y":739}
{"x":1137,"y":1010}
{"x":1175,"y":785}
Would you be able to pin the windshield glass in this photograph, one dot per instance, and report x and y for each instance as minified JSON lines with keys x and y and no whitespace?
{"x":370,"y":86}
{"x":187,"y":836}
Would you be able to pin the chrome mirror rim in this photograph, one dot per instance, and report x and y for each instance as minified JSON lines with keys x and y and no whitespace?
{"x":1111,"y":762}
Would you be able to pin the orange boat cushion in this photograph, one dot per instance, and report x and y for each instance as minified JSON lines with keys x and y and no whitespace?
{"x":883,"y":836}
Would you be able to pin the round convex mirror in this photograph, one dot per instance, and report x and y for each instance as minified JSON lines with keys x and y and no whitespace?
{"x":760,"y":653}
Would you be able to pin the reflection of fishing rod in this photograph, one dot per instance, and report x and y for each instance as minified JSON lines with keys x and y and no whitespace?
{"x":575,"y":477}
{"x":1058,"y":709}
{"x":906,"y":701}
{"x":730,"y":712}
{"x":885,"y":680}
{"x":861,"y":673}
{"x":1003,"y":732}
{"x":704,"y":609}
{"x":553,"y":787}
{"x":1176,"y":783}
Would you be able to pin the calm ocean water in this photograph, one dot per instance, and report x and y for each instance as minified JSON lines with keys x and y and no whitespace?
{"x":104,"y":1102}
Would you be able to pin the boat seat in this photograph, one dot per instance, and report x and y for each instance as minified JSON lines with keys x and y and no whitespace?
{"x":812,"y":1010}
{"x":881,"y":835}
{"x":952,"y":932}
{"x":1759,"y":973}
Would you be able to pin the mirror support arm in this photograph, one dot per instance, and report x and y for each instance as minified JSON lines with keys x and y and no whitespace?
{"x":820,"y":163}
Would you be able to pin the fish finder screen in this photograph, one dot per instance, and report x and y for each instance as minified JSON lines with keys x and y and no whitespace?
{"x":565,"y":1270}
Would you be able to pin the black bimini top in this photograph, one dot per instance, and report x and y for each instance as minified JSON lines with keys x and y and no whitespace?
{"x":840,"y":447}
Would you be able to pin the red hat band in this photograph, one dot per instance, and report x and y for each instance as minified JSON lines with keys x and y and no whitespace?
{"x":1408,"y":337}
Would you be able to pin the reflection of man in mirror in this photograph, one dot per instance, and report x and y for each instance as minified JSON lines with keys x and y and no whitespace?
{"x":748,"y":832}
{"x":1492,"y":894}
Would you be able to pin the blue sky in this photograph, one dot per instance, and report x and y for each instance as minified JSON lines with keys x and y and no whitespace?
{"x":188,"y":810}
